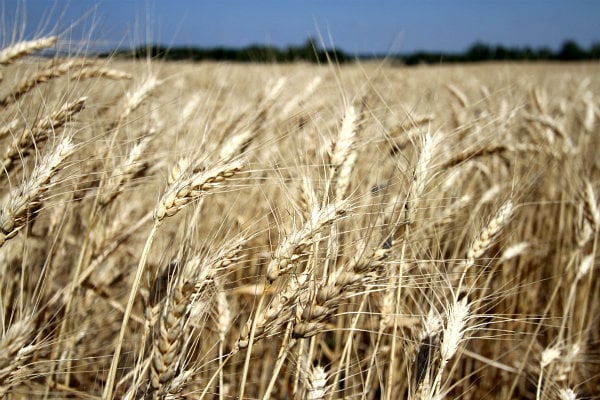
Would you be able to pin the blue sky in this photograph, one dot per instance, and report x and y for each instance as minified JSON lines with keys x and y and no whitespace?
{"x":356,"y":26}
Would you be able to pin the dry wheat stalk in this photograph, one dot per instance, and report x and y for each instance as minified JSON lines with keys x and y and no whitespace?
{"x":343,"y":155}
{"x":223,"y":320}
{"x":457,"y":316}
{"x":279,"y":313}
{"x":131,"y":168}
{"x":21,"y":49}
{"x":422,"y":175}
{"x":316,"y":385}
{"x":42,"y":131}
{"x":15,"y":350}
{"x":538,"y":100}
{"x":185,"y":185}
{"x":554,"y":126}
{"x":326,"y":285}
{"x":589,"y":121}
{"x":370,"y":261}
{"x":344,"y":176}
{"x":567,"y":394}
{"x":16,"y":205}
{"x":43,"y":75}
{"x":294,"y":245}
{"x":344,"y":142}
{"x":427,"y":350}
{"x":301,"y":97}
{"x":454,"y":330}
{"x":306,"y":198}
{"x":188,"y":302}
{"x":190,"y":184}
{"x":136,"y":97}
{"x":458,"y":95}
{"x":8,"y":128}
{"x":168,"y":338}
{"x":487,"y":235}
{"x":549,"y":356}
{"x":96,"y":72}
{"x":591,"y":212}
{"x":349,"y":279}
{"x":324,"y":305}
{"x":515,"y":250}
{"x":272,"y":93}
{"x":235,"y":145}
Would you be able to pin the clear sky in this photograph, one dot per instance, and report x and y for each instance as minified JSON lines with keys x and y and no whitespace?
{"x":356,"y":26}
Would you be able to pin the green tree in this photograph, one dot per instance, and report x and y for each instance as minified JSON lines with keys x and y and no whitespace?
{"x":479,"y":52}
{"x":595,"y":51}
{"x":571,"y":51}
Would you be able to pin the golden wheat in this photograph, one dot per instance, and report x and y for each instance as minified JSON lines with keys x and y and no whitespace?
{"x":292,"y":231}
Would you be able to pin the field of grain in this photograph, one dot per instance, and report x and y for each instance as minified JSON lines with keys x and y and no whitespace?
{"x":292,"y":231}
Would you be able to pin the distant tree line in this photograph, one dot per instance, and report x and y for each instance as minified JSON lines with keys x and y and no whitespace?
{"x":310,"y":52}
{"x":569,"y":51}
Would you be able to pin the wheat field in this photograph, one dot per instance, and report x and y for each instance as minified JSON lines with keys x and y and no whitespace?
{"x":294,"y":231}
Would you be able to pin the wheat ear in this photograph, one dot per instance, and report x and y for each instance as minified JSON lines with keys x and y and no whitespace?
{"x":485,"y":238}
{"x":135,"y":98}
{"x":15,"y":350}
{"x":169,"y":337}
{"x":567,"y":394}
{"x":293,"y":245}
{"x":9,"y":127}
{"x":343,"y":155}
{"x":41,"y":132}
{"x":453,"y":334}
{"x":21,"y":49}
{"x":186,"y":185}
{"x":422,"y":175}
{"x":43,"y":75}
{"x":129,"y":169}
{"x":458,"y":95}
{"x":106,"y":73}
{"x":15,"y":208}
{"x":316,"y":383}
{"x":287,"y":253}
